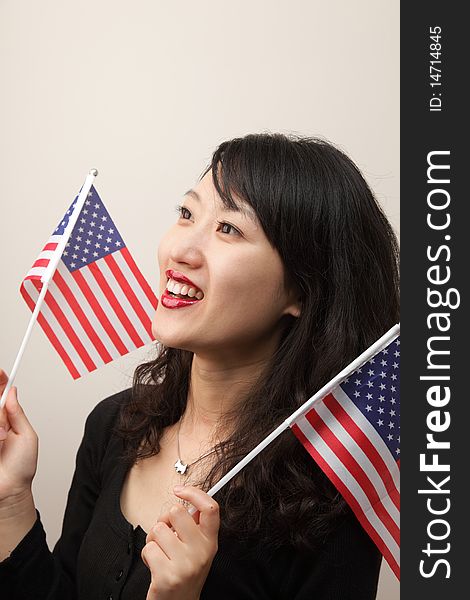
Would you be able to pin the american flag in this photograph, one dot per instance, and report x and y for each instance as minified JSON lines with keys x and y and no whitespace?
{"x":353,"y":433}
{"x":98,"y":305}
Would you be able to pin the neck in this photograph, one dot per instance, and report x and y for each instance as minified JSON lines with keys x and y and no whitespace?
{"x":215,"y":389}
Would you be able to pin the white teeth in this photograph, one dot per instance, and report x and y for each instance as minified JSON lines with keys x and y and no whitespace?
{"x":181,"y":288}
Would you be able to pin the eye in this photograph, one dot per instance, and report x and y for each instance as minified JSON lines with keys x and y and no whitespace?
{"x":224,"y":226}
{"x":183,"y":212}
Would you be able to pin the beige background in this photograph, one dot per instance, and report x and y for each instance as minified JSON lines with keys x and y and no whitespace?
{"x":144,"y":91}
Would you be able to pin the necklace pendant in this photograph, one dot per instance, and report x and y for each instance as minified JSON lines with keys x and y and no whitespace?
{"x":180,"y":467}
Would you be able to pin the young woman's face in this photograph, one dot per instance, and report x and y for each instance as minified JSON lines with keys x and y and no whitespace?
{"x":238,"y":295}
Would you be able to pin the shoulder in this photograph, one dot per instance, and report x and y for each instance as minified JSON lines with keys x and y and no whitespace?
{"x":95,"y":450}
{"x":107,"y":410}
{"x":102,"y":419}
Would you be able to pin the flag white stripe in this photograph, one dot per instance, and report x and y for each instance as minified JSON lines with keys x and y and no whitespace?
{"x":75,"y":323}
{"x":47,"y":254}
{"x":88,"y":310}
{"x":369,"y":431}
{"x":135,"y":285}
{"x":124,"y":302}
{"x":57,"y":329}
{"x":361,"y":457}
{"x":54,"y":239}
{"x":35,"y":272}
{"x":107,"y":308}
{"x":350,"y":482}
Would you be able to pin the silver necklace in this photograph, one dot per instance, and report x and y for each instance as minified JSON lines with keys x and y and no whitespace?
{"x":179,"y":465}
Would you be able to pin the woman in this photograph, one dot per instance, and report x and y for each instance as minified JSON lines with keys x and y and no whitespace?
{"x":280,"y":269}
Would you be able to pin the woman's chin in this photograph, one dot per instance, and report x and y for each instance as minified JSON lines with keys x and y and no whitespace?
{"x":171,"y":339}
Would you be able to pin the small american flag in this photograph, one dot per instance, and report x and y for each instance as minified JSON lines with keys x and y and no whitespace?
{"x":353,"y":434}
{"x":98,"y":305}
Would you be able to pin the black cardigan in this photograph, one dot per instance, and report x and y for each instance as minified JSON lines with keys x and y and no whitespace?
{"x":98,"y":553}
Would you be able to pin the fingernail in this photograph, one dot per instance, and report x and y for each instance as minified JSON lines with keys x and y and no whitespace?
{"x":178,"y":488}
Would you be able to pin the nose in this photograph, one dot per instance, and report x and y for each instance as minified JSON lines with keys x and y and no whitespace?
{"x":187,"y":249}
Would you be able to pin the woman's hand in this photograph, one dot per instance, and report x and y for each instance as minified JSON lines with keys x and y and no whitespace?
{"x":18,"y":447}
{"x":179,"y":564}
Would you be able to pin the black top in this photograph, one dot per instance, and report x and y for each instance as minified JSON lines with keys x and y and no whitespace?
{"x":98,"y":553}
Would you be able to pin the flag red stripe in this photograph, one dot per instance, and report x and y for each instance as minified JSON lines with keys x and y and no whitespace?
{"x":99,"y":312}
{"x":129,"y":292}
{"x":50,"y":246}
{"x":140,"y":278}
{"x":33,"y":277}
{"x":69,"y":332}
{"x":350,"y":499}
{"x":41,"y":262}
{"x":72,"y":301}
{"x":343,"y":454}
{"x":51,"y":335}
{"x":114,"y":302}
{"x":361,"y":439}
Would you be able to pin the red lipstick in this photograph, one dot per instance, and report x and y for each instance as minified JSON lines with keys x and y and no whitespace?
{"x":177,"y":276}
{"x":169,"y":301}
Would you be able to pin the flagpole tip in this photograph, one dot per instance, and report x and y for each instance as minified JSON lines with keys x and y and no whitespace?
{"x":94,"y":172}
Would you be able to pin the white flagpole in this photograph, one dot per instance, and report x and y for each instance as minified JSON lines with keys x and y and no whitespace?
{"x":48,"y":275}
{"x":379,"y":345}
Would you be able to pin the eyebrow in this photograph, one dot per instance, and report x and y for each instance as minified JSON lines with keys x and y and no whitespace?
{"x":248,"y":212}
{"x":193,"y":194}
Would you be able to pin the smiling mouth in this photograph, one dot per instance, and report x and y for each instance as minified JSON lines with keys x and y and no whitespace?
{"x":184,"y":291}
{"x":180,"y":291}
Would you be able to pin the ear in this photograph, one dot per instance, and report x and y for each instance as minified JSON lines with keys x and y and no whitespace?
{"x":294,"y":305}
{"x":293,"y":309}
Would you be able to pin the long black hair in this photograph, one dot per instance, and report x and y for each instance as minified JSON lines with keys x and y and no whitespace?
{"x":341,"y":254}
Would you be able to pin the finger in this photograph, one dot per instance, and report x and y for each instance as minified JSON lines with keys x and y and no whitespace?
{"x":3,"y":379}
{"x":165,"y":517}
{"x":16,"y":416}
{"x":182,"y":523}
{"x":153,"y":556}
{"x":209,"y":519}
{"x":3,"y":384}
{"x":4,"y":422}
{"x":162,"y":535}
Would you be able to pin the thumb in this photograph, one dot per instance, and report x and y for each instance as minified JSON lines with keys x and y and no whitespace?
{"x":3,"y":377}
{"x":18,"y":420}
